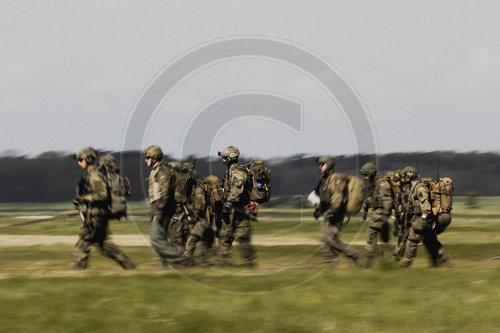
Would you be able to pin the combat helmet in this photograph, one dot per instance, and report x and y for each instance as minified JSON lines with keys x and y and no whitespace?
{"x":369,"y":169}
{"x":154,"y":152}
{"x":410,"y":173}
{"x":328,"y":160}
{"x":230,"y":153}
{"x":89,"y":155}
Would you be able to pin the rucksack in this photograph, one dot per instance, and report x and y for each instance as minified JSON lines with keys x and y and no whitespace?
{"x":355,"y":195}
{"x":184,"y":180}
{"x":260,"y":191}
{"x":118,"y":186}
{"x":440,"y":194}
{"x":214,"y":194}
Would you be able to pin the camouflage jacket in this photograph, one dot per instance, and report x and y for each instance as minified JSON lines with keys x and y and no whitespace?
{"x":369,"y":194}
{"x":383,"y":196}
{"x":237,"y":185}
{"x":332,"y":191}
{"x":93,"y":191}
{"x":418,"y":200}
{"x":160,"y":181}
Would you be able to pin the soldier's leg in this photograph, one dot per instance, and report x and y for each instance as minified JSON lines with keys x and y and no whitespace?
{"x":193,"y":240}
{"x":109,"y":248}
{"x":83,"y":246}
{"x":371,"y":246}
{"x":164,"y":249}
{"x":436,"y":250}
{"x":225,"y":242}
{"x":384,"y":236}
{"x":243,"y":235}
{"x":414,"y":238}
{"x":399,"y":248}
{"x":334,"y":243}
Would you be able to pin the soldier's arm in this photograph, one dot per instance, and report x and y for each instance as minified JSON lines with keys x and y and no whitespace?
{"x":423,"y":198}
{"x":237,"y":186}
{"x":164,"y":179}
{"x":386,"y":198}
{"x":99,"y":190}
{"x":338,"y":190}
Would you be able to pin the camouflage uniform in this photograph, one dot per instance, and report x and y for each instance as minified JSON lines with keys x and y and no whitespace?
{"x":93,"y":192}
{"x":403,"y":222}
{"x":201,"y":234}
{"x":236,"y":218}
{"x":419,"y":211}
{"x":162,"y":210}
{"x":381,"y":204}
{"x":332,"y":191}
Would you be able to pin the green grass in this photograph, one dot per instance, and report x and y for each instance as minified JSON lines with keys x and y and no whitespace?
{"x":290,"y":291}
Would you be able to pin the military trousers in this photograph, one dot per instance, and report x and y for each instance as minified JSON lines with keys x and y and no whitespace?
{"x":240,"y":231}
{"x":331,"y":243}
{"x":374,"y":230}
{"x":94,"y":230}
{"x":161,"y":243}
{"x":421,"y":231}
{"x":200,"y":238}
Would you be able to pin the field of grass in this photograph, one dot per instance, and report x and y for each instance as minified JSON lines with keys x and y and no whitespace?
{"x":289,"y":291}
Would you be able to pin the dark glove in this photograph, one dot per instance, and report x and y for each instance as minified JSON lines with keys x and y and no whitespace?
{"x":317,"y":212}
{"x":226,"y":211}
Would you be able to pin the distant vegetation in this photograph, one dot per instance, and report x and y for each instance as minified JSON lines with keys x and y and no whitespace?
{"x":51,"y":176}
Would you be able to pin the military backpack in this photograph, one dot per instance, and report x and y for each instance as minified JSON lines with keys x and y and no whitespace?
{"x":184,"y":181}
{"x":355,"y":195}
{"x":261,"y":181}
{"x":118,"y":186}
{"x":440,"y":194}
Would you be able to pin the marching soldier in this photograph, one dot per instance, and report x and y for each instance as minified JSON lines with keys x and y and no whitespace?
{"x":92,"y":192}
{"x":419,"y":214}
{"x":162,"y":207}
{"x":234,"y":215}
{"x":381,"y":201}
{"x":332,"y":191}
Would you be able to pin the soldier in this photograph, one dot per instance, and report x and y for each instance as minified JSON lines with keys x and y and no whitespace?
{"x":381,"y":201}
{"x":92,"y":192}
{"x":419,"y":214}
{"x":162,"y":207}
{"x":201,"y":234}
{"x":234,"y":215}
{"x":332,"y":191}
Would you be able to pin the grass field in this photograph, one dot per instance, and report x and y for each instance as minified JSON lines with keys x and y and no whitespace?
{"x":289,"y":291}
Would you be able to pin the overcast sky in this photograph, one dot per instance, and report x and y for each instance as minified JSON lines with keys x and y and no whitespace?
{"x":427,"y":73}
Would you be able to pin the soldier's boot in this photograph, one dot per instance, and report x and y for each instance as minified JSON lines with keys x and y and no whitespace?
{"x":443,"y":259}
{"x":79,"y":265}
{"x":409,"y":255}
{"x":128,"y":264}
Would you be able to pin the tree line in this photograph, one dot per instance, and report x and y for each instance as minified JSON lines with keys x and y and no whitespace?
{"x":52,"y":176}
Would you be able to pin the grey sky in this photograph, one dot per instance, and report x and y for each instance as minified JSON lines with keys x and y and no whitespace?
{"x":427,"y":72}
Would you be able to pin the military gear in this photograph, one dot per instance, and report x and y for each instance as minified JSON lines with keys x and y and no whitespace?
{"x":154,"y":152}
{"x":355,"y":195}
{"x":332,"y":190}
{"x":94,"y":229}
{"x":369,"y":169}
{"x":237,"y":185}
{"x":261,"y":181}
{"x":329,"y":161}
{"x":162,"y":211}
{"x":230,"y":152}
{"x":89,"y":155}
{"x":419,"y":212}
{"x":118,"y":186}
{"x":184,"y":180}
{"x":410,"y":173}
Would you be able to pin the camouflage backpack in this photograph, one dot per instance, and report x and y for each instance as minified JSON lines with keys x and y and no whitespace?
{"x":441,"y":194}
{"x":184,"y":181}
{"x":261,"y":181}
{"x":214,"y":194}
{"x":118,"y":186}
{"x":355,"y":195}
